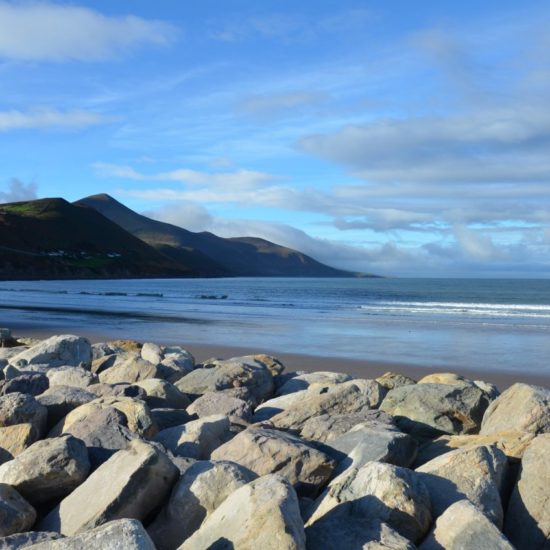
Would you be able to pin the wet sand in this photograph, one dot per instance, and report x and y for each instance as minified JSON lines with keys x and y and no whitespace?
{"x":310,"y":363}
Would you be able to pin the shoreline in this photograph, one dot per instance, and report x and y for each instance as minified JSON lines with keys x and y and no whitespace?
{"x":368,"y":368}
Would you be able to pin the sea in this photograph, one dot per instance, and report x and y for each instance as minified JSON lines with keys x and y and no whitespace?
{"x":481,"y":324}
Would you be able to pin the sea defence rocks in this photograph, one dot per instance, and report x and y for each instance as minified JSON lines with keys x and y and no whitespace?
{"x":134,"y":446}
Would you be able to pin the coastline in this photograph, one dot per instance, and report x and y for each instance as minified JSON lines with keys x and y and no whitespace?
{"x":310,"y":363}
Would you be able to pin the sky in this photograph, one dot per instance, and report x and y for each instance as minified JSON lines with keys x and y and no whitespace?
{"x":384,"y":136}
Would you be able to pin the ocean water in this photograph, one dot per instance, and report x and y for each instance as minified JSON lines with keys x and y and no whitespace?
{"x":465,"y":323}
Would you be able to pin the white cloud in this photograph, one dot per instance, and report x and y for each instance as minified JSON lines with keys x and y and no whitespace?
{"x":18,"y":191}
{"x":49,"y":118}
{"x":54,"y":32}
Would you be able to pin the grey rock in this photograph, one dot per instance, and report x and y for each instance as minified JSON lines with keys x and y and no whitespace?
{"x":174,"y":361}
{"x":70,"y":376}
{"x":350,"y":533}
{"x":326,"y":428}
{"x":131,"y":484}
{"x":196,"y":439}
{"x":303,"y":381}
{"x":527,"y":523}
{"x":212,"y":403}
{"x":392,"y":380}
{"x":430,"y":410}
{"x":521,"y":408}
{"x":16,"y":514}
{"x":200,"y":490}
{"x":262,"y":514}
{"x":474,"y":473}
{"x":130,"y":371}
{"x":391,"y":494}
{"x":168,"y":418}
{"x":61,"y":400}
{"x":24,"y":540}
{"x":232,"y":373}
{"x":161,"y":394}
{"x":28,"y":383}
{"x":48,"y":469}
{"x":265,"y":451}
{"x":464,"y":527}
{"x":277,"y":405}
{"x":117,"y":390}
{"x":57,"y":351}
{"x":122,"y":534}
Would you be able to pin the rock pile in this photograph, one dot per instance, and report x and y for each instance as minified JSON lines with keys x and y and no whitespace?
{"x":123,"y":445}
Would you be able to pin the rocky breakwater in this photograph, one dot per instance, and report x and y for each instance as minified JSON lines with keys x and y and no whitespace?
{"x":129,"y":445}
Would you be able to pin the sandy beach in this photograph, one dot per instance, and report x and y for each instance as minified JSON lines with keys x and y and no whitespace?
{"x":310,"y":363}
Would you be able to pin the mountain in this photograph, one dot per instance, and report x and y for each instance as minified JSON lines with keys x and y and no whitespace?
{"x":52,"y":238}
{"x":242,"y":256}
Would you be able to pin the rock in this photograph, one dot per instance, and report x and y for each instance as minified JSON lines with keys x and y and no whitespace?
{"x":262,"y":514}
{"x":474,"y":473}
{"x":118,"y":390}
{"x":16,"y":514}
{"x":344,"y":398}
{"x":276,"y":405}
{"x":30,"y":384}
{"x":24,"y":540}
{"x":449,"y":378}
{"x":57,"y":351}
{"x":430,"y":410}
{"x":70,"y":376}
{"x":391,"y":380}
{"x":520,"y":408}
{"x":174,"y":361}
{"x":265,"y":451}
{"x":131,"y":484}
{"x":200,"y":490}
{"x":22,"y":422}
{"x":107,"y":361}
{"x":527,"y":522}
{"x":130,"y":371}
{"x":168,"y":418}
{"x":273,"y":364}
{"x":161,"y":394}
{"x":365,"y":443}
{"x":137,"y":414}
{"x":326,"y":428}
{"x":48,"y":469}
{"x":104,"y":432}
{"x":196,"y":439}
{"x":212,"y":403}
{"x":512,"y":444}
{"x":391,"y":494}
{"x":303,"y":381}
{"x":231,"y":373}
{"x":61,"y":400}
{"x":122,"y":534}
{"x":349,"y":533}
{"x":464,"y":527}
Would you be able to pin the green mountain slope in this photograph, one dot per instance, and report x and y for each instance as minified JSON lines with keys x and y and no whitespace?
{"x":243,"y":256}
{"x":51,"y":238}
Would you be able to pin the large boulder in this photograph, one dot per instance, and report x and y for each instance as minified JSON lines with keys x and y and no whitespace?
{"x":247,"y":372}
{"x":520,"y":408}
{"x":137,"y":414}
{"x":200,"y":490}
{"x":174,"y":361}
{"x":261,"y":514}
{"x":391,"y":494}
{"x":474,"y":473}
{"x":212,"y":403}
{"x":168,"y":418}
{"x":16,"y":514}
{"x":70,"y":376}
{"x":131,"y":484}
{"x":266,"y":451}
{"x":303,"y":381}
{"x":161,"y":394}
{"x":22,"y":422}
{"x":25,"y":540}
{"x":464,"y":527}
{"x":349,"y":533}
{"x":130,"y":371}
{"x":48,"y":469}
{"x":122,"y":534}
{"x":430,"y":410}
{"x":343,"y":398}
{"x":61,"y":400}
{"x":57,"y":351}
{"x":276,"y":405}
{"x":31,"y":383}
{"x":527,"y":522}
{"x":391,"y":380}
{"x":196,"y":439}
{"x":328,"y":427}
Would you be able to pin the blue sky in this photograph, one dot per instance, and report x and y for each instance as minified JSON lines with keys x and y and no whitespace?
{"x":395,"y":137}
